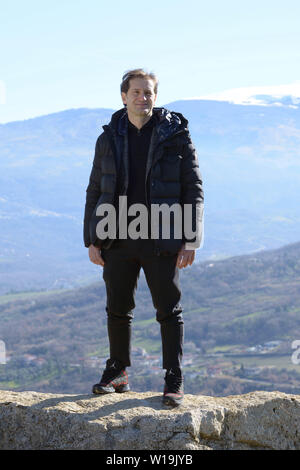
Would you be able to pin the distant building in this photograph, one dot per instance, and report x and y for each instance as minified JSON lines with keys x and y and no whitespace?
{"x":273,"y":344}
{"x":137,"y":351}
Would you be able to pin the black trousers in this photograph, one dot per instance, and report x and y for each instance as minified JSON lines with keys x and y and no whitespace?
{"x":123,"y":262}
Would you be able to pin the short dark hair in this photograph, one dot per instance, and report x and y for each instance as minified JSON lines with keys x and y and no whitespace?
{"x":137,"y":73}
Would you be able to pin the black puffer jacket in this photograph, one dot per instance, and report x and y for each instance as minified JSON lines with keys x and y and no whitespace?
{"x":172,"y":175}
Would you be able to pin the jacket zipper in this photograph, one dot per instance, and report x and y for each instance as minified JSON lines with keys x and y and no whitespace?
{"x":114,"y":151}
{"x":109,"y":132}
{"x":147,"y":175}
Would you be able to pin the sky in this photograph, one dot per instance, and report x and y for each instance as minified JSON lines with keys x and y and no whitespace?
{"x":62,"y":54}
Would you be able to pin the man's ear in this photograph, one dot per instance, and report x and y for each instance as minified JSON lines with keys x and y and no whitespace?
{"x":123,"y":95}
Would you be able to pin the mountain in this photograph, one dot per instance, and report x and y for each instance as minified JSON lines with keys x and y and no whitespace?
{"x":279,"y":95}
{"x":241,"y":319}
{"x":248,"y":156}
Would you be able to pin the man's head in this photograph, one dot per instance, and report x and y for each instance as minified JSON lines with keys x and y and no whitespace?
{"x":139,"y":92}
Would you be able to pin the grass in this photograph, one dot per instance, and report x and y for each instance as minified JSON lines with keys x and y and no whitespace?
{"x":144,"y":322}
{"x":246,"y":317}
{"x":30,"y":294}
{"x":8,"y":384}
{"x":102,"y":352}
{"x":280,"y":362}
{"x":152,"y":347}
{"x":224,"y":348}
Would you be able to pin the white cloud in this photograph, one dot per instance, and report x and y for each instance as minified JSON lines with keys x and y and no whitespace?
{"x":46,"y":213}
{"x":244,"y":150}
{"x":2,"y":92}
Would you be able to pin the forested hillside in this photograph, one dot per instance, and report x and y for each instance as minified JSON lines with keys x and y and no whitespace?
{"x":58,"y":342}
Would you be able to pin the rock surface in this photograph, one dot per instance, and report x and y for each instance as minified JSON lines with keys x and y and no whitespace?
{"x":257,"y":420}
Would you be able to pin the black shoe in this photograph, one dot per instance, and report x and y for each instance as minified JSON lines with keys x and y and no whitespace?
{"x":114,"y":379}
{"x":173,"y":390}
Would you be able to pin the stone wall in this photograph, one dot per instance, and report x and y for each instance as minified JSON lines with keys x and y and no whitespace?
{"x":257,"y":420}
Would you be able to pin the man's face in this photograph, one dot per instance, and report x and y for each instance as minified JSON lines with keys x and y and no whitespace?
{"x":140,"y":98}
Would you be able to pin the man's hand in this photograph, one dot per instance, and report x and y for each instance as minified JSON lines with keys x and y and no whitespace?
{"x":185,"y":258}
{"x":95,"y":255}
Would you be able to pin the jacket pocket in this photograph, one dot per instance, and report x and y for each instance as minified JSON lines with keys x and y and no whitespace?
{"x":170,"y":167}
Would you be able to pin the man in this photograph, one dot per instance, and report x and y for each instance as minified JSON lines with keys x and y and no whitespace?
{"x":145,"y":154}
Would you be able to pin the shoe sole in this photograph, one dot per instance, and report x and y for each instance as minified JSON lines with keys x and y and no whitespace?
{"x":170,"y":402}
{"x":122,"y":389}
{"x":103,"y":391}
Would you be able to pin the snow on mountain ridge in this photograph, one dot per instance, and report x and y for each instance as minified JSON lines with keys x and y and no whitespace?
{"x":277,"y":95}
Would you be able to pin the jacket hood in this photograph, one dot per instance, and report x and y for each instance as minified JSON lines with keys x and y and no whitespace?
{"x":167,"y":122}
